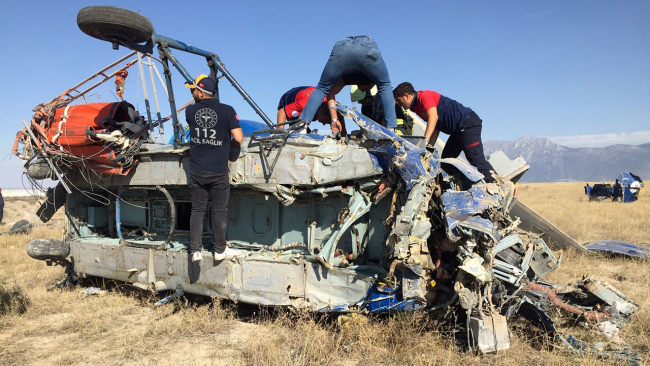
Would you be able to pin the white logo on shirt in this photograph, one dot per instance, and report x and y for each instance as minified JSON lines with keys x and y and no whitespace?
{"x":206,"y":117}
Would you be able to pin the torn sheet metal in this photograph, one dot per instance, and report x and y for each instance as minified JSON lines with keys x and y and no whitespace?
{"x":611,"y":295}
{"x":462,"y":206}
{"x":464,"y":167}
{"x":619,"y":247}
{"x":601,"y":350}
{"x":543,"y":261}
{"x":382,"y":298}
{"x":509,"y":169}
{"x":360,"y":204}
{"x":507,"y":242}
{"x":474,"y":266}
{"x":478,"y":224}
{"x":490,"y":333}
{"x":410,"y":162}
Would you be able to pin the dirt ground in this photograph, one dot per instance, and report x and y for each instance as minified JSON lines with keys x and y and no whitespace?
{"x":122,"y":327}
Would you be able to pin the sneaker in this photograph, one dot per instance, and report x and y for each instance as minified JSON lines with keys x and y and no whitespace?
{"x":197,"y":257}
{"x":226,"y":253}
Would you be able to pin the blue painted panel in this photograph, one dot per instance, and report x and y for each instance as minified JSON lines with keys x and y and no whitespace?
{"x":262,"y":220}
{"x":294,"y":223}
{"x":252,"y":218}
{"x":381,"y":299}
{"x":619,"y":247}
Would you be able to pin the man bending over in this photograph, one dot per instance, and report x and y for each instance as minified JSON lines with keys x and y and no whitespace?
{"x":353,"y":61}
{"x":447,"y":116}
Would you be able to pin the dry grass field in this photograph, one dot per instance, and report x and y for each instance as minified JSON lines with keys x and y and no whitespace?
{"x":58,"y":327}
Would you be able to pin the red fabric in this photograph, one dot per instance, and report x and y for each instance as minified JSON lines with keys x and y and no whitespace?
{"x":426,"y":100}
{"x":294,"y":109}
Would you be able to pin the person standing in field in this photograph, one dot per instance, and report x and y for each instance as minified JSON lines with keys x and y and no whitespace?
{"x":2,"y":206}
{"x":618,"y":191}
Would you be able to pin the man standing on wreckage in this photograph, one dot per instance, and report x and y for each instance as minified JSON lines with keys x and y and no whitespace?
{"x":211,"y":126}
{"x":353,"y":61}
{"x":448,"y":116}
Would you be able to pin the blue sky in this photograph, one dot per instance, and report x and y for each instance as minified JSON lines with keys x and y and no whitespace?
{"x":575,"y":71}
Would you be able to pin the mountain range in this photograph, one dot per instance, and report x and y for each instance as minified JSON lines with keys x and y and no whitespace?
{"x":550,"y":162}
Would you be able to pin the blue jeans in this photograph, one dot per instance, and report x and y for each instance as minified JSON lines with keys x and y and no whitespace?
{"x":351,"y":55}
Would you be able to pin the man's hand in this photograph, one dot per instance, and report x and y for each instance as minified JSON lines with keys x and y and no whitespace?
{"x":336,"y":126}
{"x":434,"y":137}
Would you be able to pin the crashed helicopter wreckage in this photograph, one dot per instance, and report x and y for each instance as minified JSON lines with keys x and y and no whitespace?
{"x":368,"y":223}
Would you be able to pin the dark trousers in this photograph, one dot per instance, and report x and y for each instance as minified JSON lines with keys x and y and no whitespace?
{"x":468,"y":140}
{"x":218,"y":185}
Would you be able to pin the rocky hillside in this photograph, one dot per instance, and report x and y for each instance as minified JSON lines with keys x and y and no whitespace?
{"x":550,"y":162}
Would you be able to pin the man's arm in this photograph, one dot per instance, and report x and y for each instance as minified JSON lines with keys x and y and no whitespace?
{"x":237,"y":134}
{"x":282,"y":116}
{"x":336,"y":122}
{"x":432,"y":121}
{"x":331,"y":101}
{"x":434,"y":137}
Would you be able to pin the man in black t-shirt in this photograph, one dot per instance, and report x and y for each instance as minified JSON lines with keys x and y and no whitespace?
{"x":211,"y":126}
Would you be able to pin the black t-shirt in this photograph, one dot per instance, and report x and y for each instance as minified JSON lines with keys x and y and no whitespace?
{"x":210,"y":123}
{"x":375,"y":111}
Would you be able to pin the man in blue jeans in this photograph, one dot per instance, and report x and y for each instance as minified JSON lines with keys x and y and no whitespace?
{"x":353,"y":61}
{"x":211,"y":126}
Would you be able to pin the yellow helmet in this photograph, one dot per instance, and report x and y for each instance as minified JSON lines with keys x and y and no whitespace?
{"x":357,"y":95}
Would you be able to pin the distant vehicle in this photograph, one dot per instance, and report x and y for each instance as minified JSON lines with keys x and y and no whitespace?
{"x":626,"y":191}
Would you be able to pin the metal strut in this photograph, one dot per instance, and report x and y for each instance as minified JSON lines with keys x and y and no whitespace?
{"x":168,"y":43}
{"x":164,"y":56}
{"x":272,"y":136}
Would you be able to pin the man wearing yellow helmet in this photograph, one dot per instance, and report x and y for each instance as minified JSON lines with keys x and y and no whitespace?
{"x":372,"y":108}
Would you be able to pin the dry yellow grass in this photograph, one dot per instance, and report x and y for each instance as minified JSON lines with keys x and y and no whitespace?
{"x":566,"y":205}
{"x":57,"y":327}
